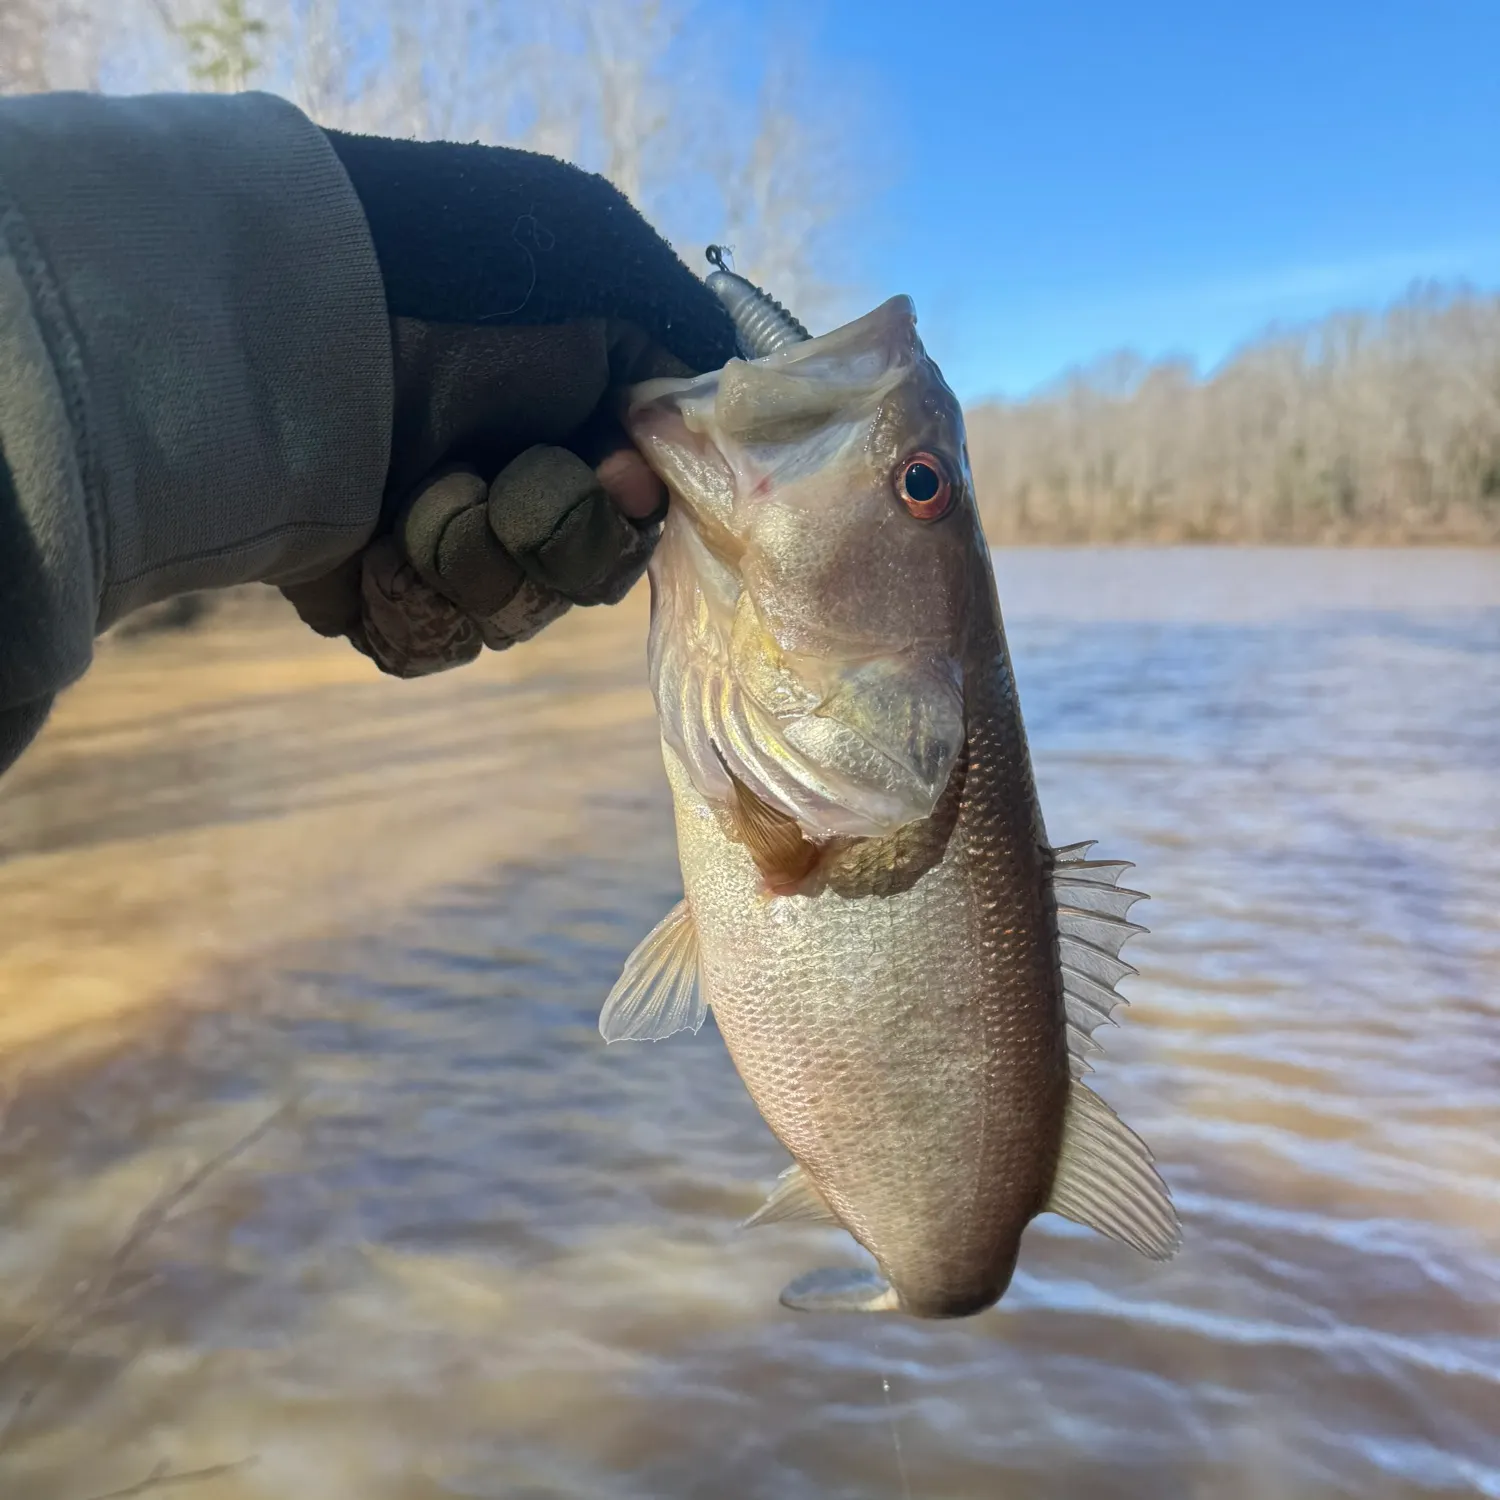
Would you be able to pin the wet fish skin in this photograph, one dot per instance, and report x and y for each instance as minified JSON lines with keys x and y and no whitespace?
{"x":898,"y":1006}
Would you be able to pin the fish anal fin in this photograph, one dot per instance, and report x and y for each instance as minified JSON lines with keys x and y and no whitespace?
{"x":841,"y":1290}
{"x":783,"y":854}
{"x":1106,"y":1179}
{"x":793,"y":1200}
{"x":658,"y":992}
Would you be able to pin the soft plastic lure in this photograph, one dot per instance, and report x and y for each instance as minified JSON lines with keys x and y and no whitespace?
{"x":761,"y":323}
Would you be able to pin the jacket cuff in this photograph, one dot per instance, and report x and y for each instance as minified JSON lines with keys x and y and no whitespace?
{"x":195,"y":356}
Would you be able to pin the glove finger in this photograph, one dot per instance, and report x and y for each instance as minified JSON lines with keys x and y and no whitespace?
{"x":406,"y":626}
{"x":532,"y":608}
{"x":445,"y":534}
{"x":551,"y":513}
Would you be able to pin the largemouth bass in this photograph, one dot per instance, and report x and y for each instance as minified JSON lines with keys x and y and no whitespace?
{"x":905,"y":971}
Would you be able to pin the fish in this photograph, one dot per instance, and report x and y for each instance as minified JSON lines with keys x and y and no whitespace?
{"x":906,"y":973}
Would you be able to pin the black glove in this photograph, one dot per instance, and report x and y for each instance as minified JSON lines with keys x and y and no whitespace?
{"x":523,"y":293}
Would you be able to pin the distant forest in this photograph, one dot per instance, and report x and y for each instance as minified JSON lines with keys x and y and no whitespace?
{"x":1379,"y":427}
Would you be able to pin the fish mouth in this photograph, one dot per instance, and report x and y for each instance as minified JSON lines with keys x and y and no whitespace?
{"x":700,"y":480}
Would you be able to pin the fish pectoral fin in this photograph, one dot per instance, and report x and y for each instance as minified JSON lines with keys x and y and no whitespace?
{"x":793,"y":1200}
{"x":841,"y":1290}
{"x":1106,"y":1179}
{"x":659,"y":991}
{"x":782,"y":852}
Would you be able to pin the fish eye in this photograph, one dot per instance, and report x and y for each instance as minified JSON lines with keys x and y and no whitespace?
{"x":923,"y":486}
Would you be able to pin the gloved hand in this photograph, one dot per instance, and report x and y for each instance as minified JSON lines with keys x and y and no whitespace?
{"x":523,"y":293}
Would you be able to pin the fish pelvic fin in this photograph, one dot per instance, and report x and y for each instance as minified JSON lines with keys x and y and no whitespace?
{"x":783,"y":854}
{"x":659,"y":992}
{"x":841,"y":1290}
{"x":1106,"y":1179}
{"x":793,"y":1200}
{"x":1091,"y":927}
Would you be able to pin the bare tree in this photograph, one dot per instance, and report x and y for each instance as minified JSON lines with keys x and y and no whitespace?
{"x":624,"y":55}
{"x":650,"y":93}
{"x":224,"y":41}
{"x":792,"y":197}
{"x":47,"y":44}
{"x":647,"y":92}
{"x":25,"y":36}
{"x":1379,"y":427}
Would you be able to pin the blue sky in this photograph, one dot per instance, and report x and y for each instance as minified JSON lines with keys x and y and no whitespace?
{"x":1069,"y":177}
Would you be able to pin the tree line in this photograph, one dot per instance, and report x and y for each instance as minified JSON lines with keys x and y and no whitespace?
{"x":1363,"y":427}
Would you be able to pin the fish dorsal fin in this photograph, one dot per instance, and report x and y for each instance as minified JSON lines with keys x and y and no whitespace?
{"x":1105,"y":1175}
{"x":1091,"y":926}
{"x":781,"y":851}
{"x":658,"y":992}
{"x":793,"y":1199}
{"x":1107,"y":1180}
{"x":1070,"y":854}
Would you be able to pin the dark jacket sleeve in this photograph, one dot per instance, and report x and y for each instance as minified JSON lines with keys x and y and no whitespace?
{"x":195,"y":364}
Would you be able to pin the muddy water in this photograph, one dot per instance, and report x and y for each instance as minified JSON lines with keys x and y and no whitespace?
{"x":479,"y":1255}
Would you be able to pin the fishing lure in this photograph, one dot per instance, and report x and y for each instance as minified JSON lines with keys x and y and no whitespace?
{"x":761,"y":324}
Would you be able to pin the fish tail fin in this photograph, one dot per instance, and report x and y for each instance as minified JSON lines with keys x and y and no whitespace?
{"x":841,"y":1290}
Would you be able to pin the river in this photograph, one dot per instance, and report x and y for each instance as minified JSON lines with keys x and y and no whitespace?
{"x":248,"y":886}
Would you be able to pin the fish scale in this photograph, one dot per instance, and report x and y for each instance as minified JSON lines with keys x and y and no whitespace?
{"x":905,"y":972}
